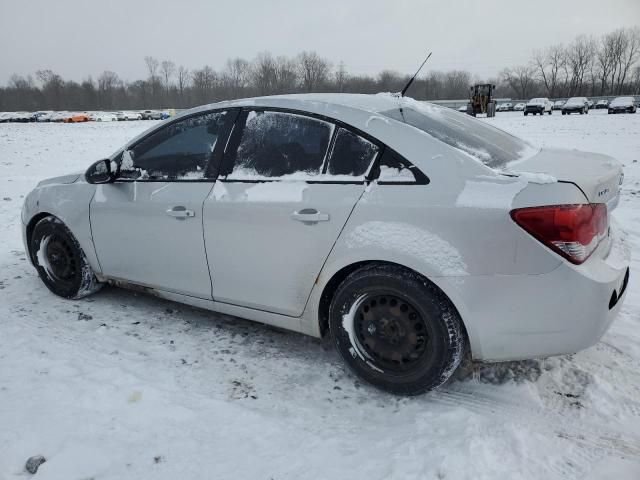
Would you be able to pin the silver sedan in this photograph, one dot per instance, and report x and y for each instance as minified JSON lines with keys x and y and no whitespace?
{"x":412,"y":234}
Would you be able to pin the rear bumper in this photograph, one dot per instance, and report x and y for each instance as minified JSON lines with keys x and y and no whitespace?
{"x":514,"y":317}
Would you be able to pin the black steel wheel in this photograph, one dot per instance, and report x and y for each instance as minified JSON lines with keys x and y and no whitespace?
{"x":60,"y":261}
{"x":395,"y":329}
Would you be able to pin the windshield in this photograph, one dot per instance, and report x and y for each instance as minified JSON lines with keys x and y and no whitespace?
{"x":537,"y":101}
{"x":492,"y":146}
{"x":622,"y":101}
{"x":576,"y":101}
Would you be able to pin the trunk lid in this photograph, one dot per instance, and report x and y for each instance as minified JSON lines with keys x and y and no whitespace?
{"x":598,"y":176}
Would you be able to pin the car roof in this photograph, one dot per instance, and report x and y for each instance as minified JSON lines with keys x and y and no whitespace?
{"x":366,"y":103}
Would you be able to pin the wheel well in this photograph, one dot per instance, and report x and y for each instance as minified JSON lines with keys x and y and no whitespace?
{"x":32,"y":224}
{"x":333,"y":284}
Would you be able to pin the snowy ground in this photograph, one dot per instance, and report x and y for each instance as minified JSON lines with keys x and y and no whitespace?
{"x":126,"y":386}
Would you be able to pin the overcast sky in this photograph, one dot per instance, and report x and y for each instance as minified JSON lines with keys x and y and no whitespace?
{"x":77,"y":38}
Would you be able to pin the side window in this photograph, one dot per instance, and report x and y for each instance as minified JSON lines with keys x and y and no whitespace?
{"x":394,"y":169}
{"x":274,"y":144}
{"x":351,"y":155}
{"x":179,"y":151}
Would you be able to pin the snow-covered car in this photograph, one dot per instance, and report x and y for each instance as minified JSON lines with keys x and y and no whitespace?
{"x":20,"y":117}
{"x":59,"y":116}
{"x":558,"y":104}
{"x":622,"y":105}
{"x":602,"y":104}
{"x":518,"y":107}
{"x":576,"y":105}
{"x":44,"y":116}
{"x":128,"y":116}
{"x":505,"y":107}
{"x":408,"y":233}
{"x":5,"y":117}
{"x":540,"y":106}
{"x":103,"y":117}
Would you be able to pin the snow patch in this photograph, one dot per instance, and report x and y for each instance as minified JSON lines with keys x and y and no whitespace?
{"x":390,"y":174}
{"x":399,"y":236}
{"x":489,"y":194}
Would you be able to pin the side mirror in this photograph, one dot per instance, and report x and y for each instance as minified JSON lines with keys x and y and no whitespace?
{"x":101,"y":172}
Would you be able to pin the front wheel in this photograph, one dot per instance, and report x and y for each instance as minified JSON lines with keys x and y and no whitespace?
{"x":60,"y":261}
{"x":396,"y":330}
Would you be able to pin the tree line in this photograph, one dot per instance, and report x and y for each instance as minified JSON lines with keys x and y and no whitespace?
{"x":589,"y":66}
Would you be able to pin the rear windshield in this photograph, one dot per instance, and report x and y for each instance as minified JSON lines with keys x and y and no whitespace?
{"x":493,"y":147}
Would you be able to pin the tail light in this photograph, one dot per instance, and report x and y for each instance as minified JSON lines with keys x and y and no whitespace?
{"x":573,"y":231}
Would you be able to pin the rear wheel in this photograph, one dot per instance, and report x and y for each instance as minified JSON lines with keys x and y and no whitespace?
{"x":60,"y":261}
{"x":396,"y":330}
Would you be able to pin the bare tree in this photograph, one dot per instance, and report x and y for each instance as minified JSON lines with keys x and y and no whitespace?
{"x":263,"y":73}
{"x":183,"y":80}
{"x":286,"y":76}
{"x":549,"y":64}
{"x":313,"y":70}
{"x":236,"y":76}
{"x":341,"y":77}
{"x":204,"y":83}
{"x":520,"y":79}
{"x":167,"y":68}
{"x":630,"y":54}
{"x":107,"y":83}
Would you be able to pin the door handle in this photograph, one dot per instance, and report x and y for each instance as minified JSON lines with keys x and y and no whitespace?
{"x":310,"y":215}
{"x":180,"y":212}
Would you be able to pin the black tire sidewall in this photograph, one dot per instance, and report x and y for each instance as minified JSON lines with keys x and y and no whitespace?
{"x":49,"y":226}
{"x":446,"y":337}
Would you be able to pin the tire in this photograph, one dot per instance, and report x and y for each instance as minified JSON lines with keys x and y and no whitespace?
{"x":60,"y":261}
{"x":396,"y":330}
{"x":563,"y":112}
{"x":550,"y":112}
{"x":525,"y":114}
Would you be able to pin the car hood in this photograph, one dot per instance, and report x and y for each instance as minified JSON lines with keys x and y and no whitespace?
{"x":598,"y":176}
{"x":61,"y":180}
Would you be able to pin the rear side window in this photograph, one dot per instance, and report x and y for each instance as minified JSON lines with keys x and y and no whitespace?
{"x":179,"y":151}
{"x":351,"y":154}
{"x":275,"y":144}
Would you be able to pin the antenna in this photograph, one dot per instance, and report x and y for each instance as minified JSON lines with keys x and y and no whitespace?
{"x":406,"y":87}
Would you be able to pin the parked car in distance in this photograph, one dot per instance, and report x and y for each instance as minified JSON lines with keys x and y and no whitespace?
{"x":557,"y":105}
{"x":408,"y":242}
{"x":540,"y":106}
{"x":20,"y":117}
{"x":622,"y":105}
{"x":126,"y":115}
{"x":505,"y":107}
{"x":44,"y":116}
{"x":151,"y":115}
{"x":76,"y":118}
{"x":602,"y":104}
{"x":519,"y":107}
{"x":576,"y":105}
{"x":103,"y":117}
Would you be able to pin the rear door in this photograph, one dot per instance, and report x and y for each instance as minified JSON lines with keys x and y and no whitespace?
{"x":288,"y":184}
{"x":147,"y":226}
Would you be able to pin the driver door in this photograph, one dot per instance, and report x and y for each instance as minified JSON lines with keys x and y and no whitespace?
{"x":147,"y":225}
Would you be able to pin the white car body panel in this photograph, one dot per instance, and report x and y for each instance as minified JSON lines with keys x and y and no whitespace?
{"x":456,"y":231}
{"x":137,"y":240}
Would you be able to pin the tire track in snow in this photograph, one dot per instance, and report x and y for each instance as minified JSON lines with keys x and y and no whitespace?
{"x":594,"y":437}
